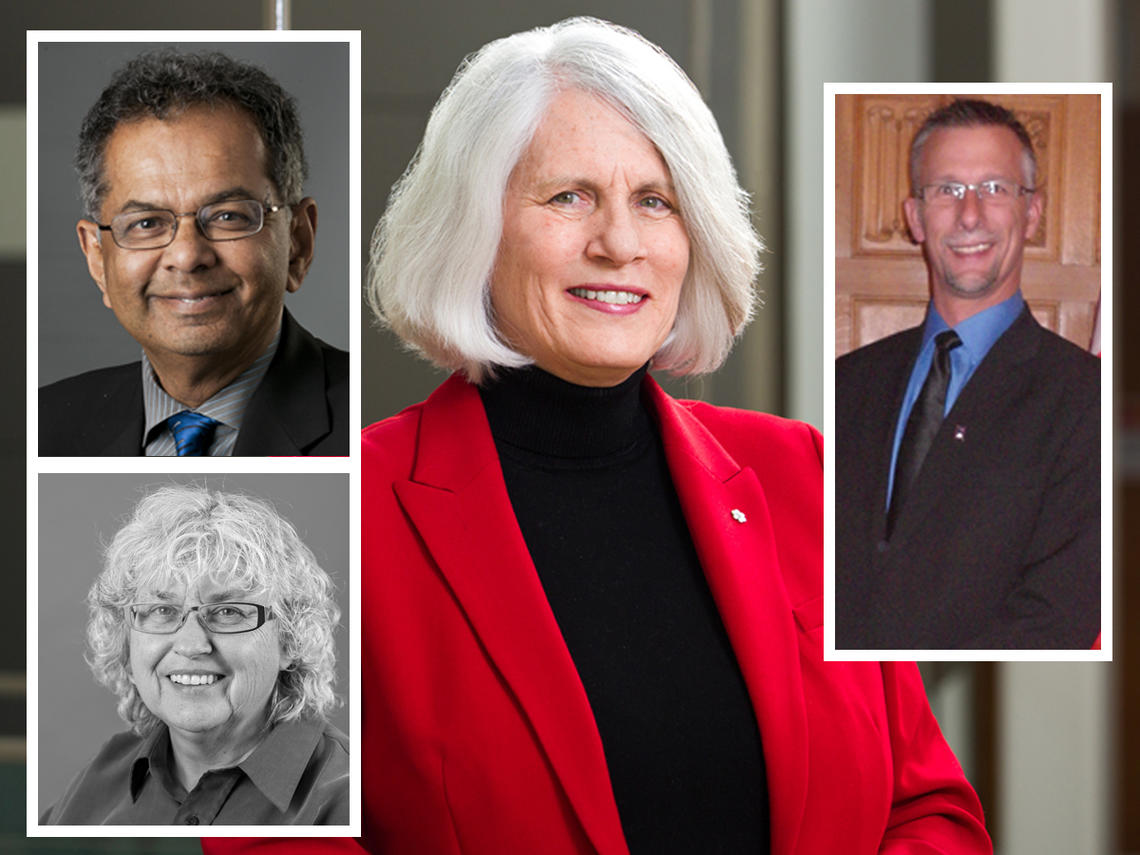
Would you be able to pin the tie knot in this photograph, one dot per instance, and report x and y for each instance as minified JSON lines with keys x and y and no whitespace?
{"x":192,"y":431}
{"x":947,"y":340}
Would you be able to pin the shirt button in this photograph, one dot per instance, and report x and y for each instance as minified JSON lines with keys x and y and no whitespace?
{"x":882,"y":546}
{"x":191,"y":820}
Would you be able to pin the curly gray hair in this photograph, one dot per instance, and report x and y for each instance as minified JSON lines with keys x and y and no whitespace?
{"x":185,"y":534}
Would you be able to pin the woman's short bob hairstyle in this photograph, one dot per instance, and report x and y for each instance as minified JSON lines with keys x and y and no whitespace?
{"x":183,"y":535}
{"x":434,"y":249}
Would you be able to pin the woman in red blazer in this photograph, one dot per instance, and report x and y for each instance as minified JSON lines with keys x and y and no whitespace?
{"x":592,"y":613}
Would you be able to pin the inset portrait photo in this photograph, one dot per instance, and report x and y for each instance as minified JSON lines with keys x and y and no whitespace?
{"x":192,"y":655}
{"x":192,"y":245}
{"x":972,"y":500}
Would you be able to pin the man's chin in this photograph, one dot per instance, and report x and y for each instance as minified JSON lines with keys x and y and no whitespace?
{"x":970,"y":287}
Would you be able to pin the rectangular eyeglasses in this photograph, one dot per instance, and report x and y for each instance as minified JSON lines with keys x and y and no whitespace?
{"x":223,"y":618}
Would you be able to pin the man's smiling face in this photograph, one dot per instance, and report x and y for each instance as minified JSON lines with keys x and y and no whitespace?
{"x":216,"y":302}
{"x":973,"y":249}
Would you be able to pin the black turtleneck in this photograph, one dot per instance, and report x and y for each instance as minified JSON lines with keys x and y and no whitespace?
{"x":588,"y":481}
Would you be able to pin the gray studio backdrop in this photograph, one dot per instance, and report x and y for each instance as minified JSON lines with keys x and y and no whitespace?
{"x":76,"y":331}
{"x":79,"y":514}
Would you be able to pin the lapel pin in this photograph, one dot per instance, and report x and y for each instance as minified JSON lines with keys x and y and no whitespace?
{"x":738,"y":515}
{"x":960,"y":433}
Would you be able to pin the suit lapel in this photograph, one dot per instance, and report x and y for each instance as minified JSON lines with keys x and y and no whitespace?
{"x":885,"y":430}
{"x":741,"y":565}
{"x":288,"y":412}
{"x":117,"y":430}
{"x":979,"y":409}
{"x":457,"y":501}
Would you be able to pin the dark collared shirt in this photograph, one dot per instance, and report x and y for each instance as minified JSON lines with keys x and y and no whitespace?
{"x":298,"y":775}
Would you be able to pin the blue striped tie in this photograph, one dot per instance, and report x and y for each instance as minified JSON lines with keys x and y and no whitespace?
{"x":193,"y":432}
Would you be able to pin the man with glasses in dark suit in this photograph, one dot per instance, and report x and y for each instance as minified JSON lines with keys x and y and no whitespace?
{"x":191,"y":168}
{"x":968,"y":448}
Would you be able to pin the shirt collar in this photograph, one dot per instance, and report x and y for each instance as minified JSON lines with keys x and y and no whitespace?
{"x":227,"y":405}
{"x":275,"y":767}
{"x":152,"y":757}
{"x":978,"y":332}
{"x":278,"y":763}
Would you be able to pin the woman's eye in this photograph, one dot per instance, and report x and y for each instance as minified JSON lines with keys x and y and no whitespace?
{"x":566,"y":197}
{"x":655,"y":206}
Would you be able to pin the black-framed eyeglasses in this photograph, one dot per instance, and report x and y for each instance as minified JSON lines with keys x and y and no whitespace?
{"x":996,"y":191}
{"x":232,"y":219}
{"x":222,"y":618}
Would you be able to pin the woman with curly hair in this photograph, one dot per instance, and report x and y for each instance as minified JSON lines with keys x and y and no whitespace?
{"x":213,"y":625}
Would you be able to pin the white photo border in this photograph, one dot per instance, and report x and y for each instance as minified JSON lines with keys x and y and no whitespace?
{"x":1104,"y":90}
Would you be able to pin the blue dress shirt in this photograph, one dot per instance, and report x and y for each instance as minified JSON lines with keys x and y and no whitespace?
{"x":978,"y":334}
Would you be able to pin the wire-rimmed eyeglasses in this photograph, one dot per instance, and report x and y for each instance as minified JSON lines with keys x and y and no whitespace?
{"x":222,"y":618}
{"x":232,"y":219}
{"x":996,"y":191}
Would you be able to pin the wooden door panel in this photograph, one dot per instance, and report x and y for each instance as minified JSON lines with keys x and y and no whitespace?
{"x":880,"y":275}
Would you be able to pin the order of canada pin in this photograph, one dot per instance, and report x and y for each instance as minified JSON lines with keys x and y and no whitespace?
{"x":738,"y":515}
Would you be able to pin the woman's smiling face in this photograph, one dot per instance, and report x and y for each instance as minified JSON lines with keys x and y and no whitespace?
{"x":594,"y":249}
{"x":204,"y":685}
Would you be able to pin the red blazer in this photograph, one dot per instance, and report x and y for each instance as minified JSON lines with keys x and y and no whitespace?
{"x":478,"y":736}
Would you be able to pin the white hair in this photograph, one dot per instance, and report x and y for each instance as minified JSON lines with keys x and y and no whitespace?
{"x":434,"y":249}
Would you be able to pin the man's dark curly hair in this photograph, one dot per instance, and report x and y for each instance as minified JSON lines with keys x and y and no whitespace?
{"x":161,"y":84}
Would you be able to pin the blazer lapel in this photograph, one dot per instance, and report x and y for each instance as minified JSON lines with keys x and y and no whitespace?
{"x":117,"y":430}
{"x":288,"y":412}
{"x":457,"y":501}
{"x":980,"y":407}
{"x":885,"y":430}
{"x":727,"y":515}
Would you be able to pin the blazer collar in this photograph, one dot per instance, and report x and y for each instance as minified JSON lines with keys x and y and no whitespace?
{"x":727,"y":513}
{"x":980,"y":408}
{"x":288,"y":412}
{"x":457,"y":501}
{"x":116,"y":429}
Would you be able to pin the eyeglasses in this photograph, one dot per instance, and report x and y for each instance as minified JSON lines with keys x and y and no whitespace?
{"x":230,"y":220}
{"x":221,"y":618}
{"x":996,"y":191}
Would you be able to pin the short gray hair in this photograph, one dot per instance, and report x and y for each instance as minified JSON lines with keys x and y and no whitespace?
{"x":434,"y":249}
{"x":972,"y":113}
{"x":187,"y":533}
{"x":161,"y":84}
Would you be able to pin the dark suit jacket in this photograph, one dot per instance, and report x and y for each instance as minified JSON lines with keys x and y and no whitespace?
{"x":300,"y":407}
{"x":998,"y":545}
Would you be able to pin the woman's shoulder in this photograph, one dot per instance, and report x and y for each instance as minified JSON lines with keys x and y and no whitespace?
{"x":753,"y":434}
{"x":455,"y":397}
{"x":85,"y":801}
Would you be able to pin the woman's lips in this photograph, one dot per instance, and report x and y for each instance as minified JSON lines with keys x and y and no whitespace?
{"x":613,"y":301}
{"x":187,"y":678}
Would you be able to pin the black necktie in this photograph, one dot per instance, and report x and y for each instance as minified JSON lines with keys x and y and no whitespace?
{"x":921,"y":427}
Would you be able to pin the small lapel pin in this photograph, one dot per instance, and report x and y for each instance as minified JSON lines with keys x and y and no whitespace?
{"x":738,"y":515}
{"x":960,"y":433}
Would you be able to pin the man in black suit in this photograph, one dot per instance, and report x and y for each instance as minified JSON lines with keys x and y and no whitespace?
{"x":968,"y":448}
{"x":191,"y":168}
